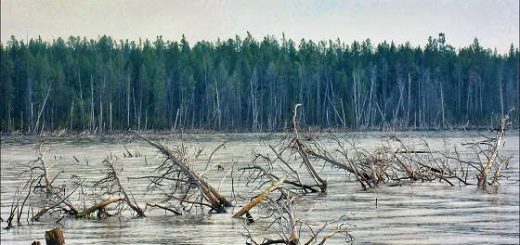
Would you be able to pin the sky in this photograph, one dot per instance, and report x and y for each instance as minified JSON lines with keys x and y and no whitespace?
{"x":495,"y":23}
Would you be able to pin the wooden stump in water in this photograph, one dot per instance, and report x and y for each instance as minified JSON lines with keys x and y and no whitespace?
{"x":54,"y":237}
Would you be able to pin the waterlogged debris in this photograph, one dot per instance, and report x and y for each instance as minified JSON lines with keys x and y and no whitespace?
{"x":99,"y":207}
{"x":394,"y":161}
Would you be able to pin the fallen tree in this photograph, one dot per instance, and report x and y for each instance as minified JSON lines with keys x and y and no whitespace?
{"x":175,"y":168}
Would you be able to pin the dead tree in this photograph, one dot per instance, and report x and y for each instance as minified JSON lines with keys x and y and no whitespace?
{"x":46,"y":196}
{"x":488,"y":159}
{"x":48,"y":199}
{"x":493,"y":147}
{"x":176,"y":169}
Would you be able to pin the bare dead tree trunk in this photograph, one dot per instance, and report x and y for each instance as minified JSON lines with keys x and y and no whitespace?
{"x":92,"y":120}
{"x":128,"y":101}
{"x":442,"y":107}
{"x":491,"y":160}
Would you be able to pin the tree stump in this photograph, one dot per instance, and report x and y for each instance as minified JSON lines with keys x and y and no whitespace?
{"x":54,"y":237}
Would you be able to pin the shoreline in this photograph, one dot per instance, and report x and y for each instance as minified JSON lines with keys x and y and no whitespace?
{"x":311,"y":129}
{"x":120,"y":135}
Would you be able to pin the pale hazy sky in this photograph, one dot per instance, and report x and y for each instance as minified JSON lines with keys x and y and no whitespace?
{"x":495,"y":23}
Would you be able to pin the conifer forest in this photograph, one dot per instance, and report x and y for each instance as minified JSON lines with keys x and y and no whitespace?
{"x":245,"y":84}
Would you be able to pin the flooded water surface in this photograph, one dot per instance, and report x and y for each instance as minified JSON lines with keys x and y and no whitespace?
{"x":405,"y":213}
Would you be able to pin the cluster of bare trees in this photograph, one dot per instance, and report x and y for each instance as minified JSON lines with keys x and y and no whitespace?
{"x":286,"y":173}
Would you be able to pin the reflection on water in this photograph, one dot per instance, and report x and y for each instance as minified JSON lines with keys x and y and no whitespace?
{"x":407,"y":213}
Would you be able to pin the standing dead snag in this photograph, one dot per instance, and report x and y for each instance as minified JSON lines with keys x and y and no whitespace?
{"x":495,"y":147}
{"x":490,"y":151}
{"x":178,"y":166}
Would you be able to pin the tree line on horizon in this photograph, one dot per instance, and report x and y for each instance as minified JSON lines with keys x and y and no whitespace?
{"x":245,"y":84}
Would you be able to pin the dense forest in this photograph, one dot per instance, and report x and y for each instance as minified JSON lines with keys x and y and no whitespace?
{"x":245,"y":84}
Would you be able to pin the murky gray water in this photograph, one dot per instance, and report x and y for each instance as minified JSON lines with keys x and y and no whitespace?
{"x":411,"y":213}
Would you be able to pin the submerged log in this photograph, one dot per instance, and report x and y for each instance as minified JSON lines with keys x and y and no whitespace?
{"x":54,"y":237}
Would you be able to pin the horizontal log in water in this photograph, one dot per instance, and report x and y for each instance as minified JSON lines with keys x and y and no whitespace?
{"x":258,"y":199}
